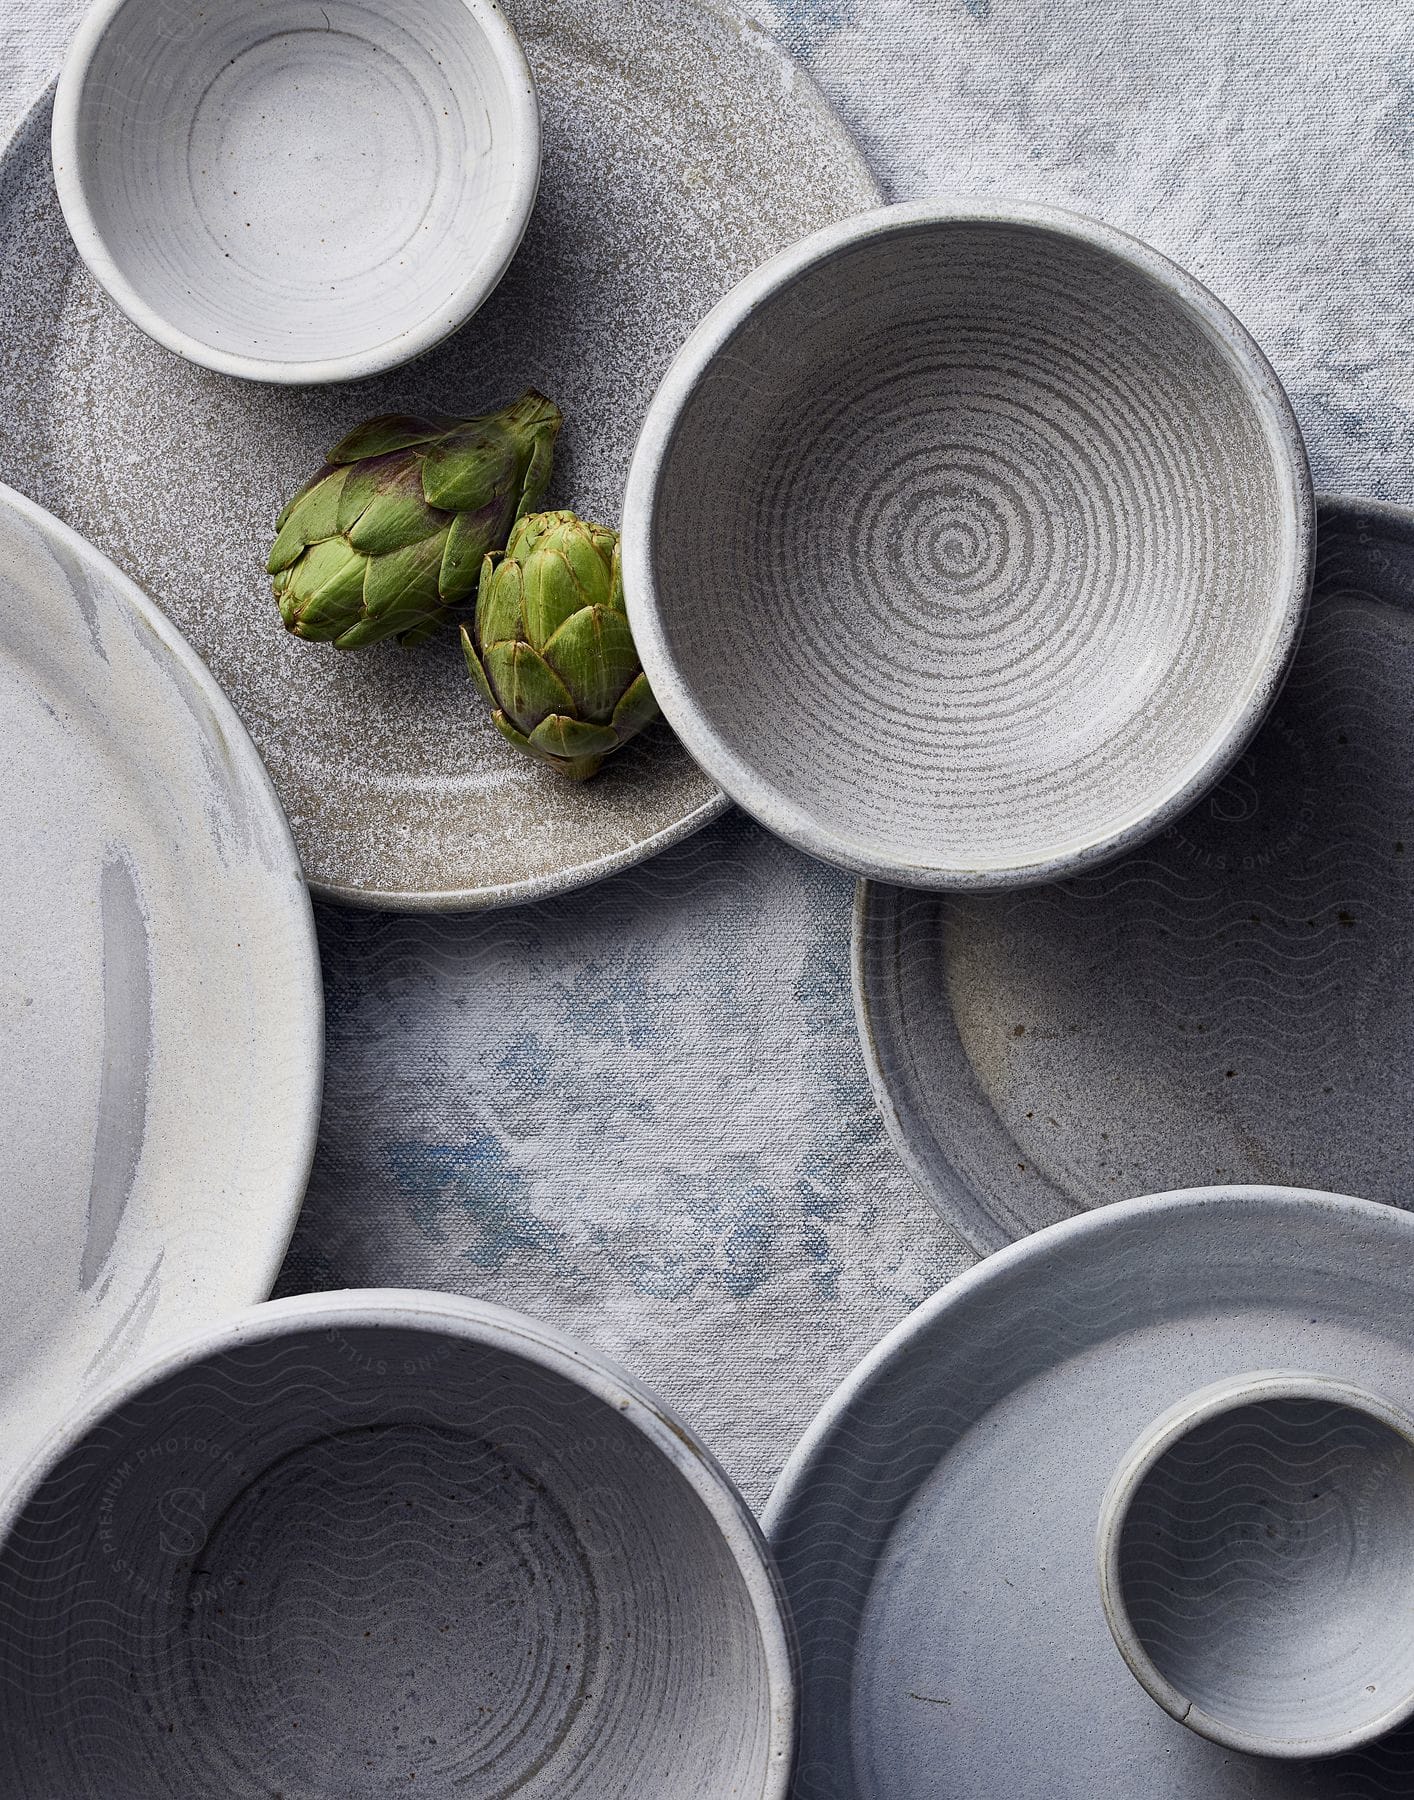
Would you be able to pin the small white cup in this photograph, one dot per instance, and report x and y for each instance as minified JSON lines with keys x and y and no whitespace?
{"x":303,"y":192}
{"x":1256,"y":1555}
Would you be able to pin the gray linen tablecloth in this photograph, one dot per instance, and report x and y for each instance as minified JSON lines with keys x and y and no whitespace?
{"x":640,"y":1111}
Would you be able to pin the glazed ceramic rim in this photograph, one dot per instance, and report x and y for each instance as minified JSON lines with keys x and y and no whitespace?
{"x":958,"y":1206}
{"x":954,"y":1197}
{"x":833,"y":1421}
{"x":1155,"y":1441}
{"x":1351,"y":509}
{"x":306,"y":1023}
{"x":787,"y":816}
{"x":531,"y":888}
{"x":70,"y":181}
{"x":483,"y":1322}
{"x":1002,"y":1265}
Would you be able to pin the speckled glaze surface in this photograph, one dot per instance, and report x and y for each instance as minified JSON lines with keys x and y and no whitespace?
{"x":936,"y":1527}
{"x":681,"y":146}
{"x":1230,"y":1002}
{"x":382,"y":1542}
{"x":225,"y":169}
{"x":1252,"y":1546}
{"x":967,"y":542}
{"x":161,"y":1039}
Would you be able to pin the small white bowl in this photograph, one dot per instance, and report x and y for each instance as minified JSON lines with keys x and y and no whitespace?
{"x":1256,"y":1557}
{"x":372,"y":1542}
{"x":967,"y":542}
{"x":309,"y":191}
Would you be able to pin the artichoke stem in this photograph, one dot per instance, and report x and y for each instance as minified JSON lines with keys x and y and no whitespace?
{"x":581,"y":768}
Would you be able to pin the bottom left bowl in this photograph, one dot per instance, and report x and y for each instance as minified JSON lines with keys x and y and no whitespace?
{"x":371,"y":1542}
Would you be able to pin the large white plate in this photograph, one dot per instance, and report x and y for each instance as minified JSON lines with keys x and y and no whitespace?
{"x":936,"y":1527}
{"x":682,"y":147}
{"x":161,"y":1025}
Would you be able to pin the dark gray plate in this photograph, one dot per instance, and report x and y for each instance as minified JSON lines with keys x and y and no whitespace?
{"x":1231,"y":1003}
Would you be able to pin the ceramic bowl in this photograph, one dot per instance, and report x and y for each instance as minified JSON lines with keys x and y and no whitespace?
{"x":365,"y":1543}
{"x":967,"y":543}
{"x":306,"y":192}
{"x":1257,"y":1561}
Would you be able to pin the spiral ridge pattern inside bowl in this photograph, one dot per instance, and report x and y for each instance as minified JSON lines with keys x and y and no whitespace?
{"x":971,"y":547}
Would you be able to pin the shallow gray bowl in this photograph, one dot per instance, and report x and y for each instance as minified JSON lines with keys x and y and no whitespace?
{"x":966,"y":543}
{"x":302,"y":192}
{"x":367,"y":1543}
{"x":1256,"y":1559}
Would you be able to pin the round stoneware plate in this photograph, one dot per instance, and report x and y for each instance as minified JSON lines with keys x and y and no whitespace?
{"x":161,"y":1021}
{"x":936,"y":1529}
{"x":1232,"y":1002}
{"x":681,"y":147}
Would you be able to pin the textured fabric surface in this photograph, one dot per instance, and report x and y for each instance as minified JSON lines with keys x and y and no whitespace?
{"x":641,"y":1111}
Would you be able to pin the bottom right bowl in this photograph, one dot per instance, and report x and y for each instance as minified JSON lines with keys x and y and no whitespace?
{"x":1251,"y":1545}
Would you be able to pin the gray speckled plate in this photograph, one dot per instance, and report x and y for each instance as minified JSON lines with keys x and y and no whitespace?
{"x":1233,"y":1002}
{"x":681,"y":148}
{"x":936,"y":1528}
{"x":161,"y":1024}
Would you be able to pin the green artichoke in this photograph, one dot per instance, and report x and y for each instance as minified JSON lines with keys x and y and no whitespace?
{"x":550,"y":646}
{"x":390,"y":540}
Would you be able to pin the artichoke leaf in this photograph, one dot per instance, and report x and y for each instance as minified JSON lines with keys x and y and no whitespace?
{"x":468,"y":470}
{"x":478,"y":674}
{"x":419,"y":634}
{"x":393,"y":431}
{"x":593,"y":654}
{"x":360,"y":486}
{"x":401,"y":588}
{"x":323,"y":565}
{"x":574,"y":768}
{"x":537,"y":475}
{"x":499,"y":600}
{"x":289,"y":606}
{"x":311,"y":516}
{"x":518,"y":738}
{"x":550,"y":593}
{"x":571,"y":741}
{"x":282,"y":516}
{"x":590,"y":552}
{"x":364,"y":631}
{"x":616,"y":579}
{"x":323,"y":593}
{"x":530,"y":528}
{"x":395,"y":517}
{"x":471,"y":536}
{"x":637,"y":709}
{"x":288,"y":547}
{"x":533,"y":411}
{"x":526,"y":688}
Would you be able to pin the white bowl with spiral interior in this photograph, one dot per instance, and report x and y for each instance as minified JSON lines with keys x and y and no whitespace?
{"x":307,"y":192}
{"x":966,"y":543}
{"x":372,"y":1542}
